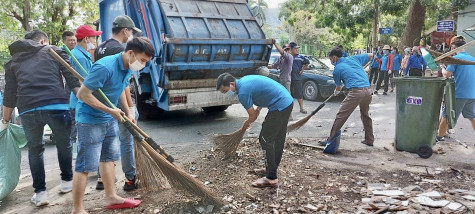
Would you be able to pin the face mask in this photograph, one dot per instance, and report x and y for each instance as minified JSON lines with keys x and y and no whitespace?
{"x":374,"y":52}
{"x":385,"y":51}
{"x":406,"y":52}
{"x":90,"y":46}
{"x":130,"y":38}
{"x":230,"y":94}
{"x":136,"y":66}
{"x":393,"y":52}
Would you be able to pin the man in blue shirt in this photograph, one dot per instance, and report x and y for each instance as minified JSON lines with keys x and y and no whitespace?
{"x":34,"y":84}
{"x":416,"y":65}
{"x":85,"y":35}
{"x":98,"y":130}
{"x":349,"y":70}
{"x":263,"y":92}
{"x":299,"y":64}
{"x":374,"y":67}
{"x":397,"y":59}
{"x":464,"y":76}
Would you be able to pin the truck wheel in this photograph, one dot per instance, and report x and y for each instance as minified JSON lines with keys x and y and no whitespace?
{"x":215,"y":108}
{"x":146,"y":111}
{"x":424,"y":151}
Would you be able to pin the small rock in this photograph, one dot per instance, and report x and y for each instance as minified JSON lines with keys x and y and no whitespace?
{"x":433,"y":194}
{"x":206,"y":182}
{"x":454,"y":206}
{"x":382,"y":163}
{"x":155,"y":211}
{"x":311,"y":207}
{"x":469,"y":197}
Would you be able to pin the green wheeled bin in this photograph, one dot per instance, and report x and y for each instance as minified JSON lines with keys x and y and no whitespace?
{"x":418,"y":104}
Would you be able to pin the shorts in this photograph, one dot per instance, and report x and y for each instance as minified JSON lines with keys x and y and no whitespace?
{"x":97,"y":143}
{"x":466,"y":107}
{"x":286,"y":84}
{"x":296,"y":89}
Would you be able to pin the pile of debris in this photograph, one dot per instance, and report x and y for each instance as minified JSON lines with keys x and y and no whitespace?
{"x":414,"y":199}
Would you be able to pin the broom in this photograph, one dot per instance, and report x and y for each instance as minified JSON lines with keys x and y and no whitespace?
{"x":228,"y":143}
{"x":301,"y":122}
{"x":161,"y":166}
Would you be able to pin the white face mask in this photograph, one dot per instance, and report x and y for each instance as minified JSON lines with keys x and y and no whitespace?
{"x":230,"y":94}
{"x":90,"y":46}
{"x":136,"y":66}
{"x":130,"y":37}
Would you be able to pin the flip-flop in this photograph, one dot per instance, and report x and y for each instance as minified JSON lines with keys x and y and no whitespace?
{"x":128,"y":203}
{"x":263,"y":183}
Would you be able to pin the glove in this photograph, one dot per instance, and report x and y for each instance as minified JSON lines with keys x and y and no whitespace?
{"x":390,"y":72}
{"x":336,"y":93}
{"x":132,"y":113}
{"x":3,"y":125}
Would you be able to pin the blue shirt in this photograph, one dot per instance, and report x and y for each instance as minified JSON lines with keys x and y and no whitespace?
{"x":85,"y":59}
{"x":109,"y":75}
{"x":384,"y":62}
{"x":416,"y":61}
{"x":297,"y":66}
{"x":375,"y":63}
{"x":397,"y":62}
{"x":350,"y":71}
{"x":345,"y":54}
{"x":262,"y":91}
{"x":464,"y":76}
{"x":57,"y":106}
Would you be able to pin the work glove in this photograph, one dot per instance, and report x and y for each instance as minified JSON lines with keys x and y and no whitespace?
{"x":3,"y":125}
{"x":390,"y":72}
{"x":336,"y":92}
{"x":132,"y":114}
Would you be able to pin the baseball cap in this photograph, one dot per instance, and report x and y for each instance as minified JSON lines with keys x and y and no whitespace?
{"x":286,"y":46}
{"x":407,"y":49}
{"x":125,"y":21}
{"x":458,"y":38}
{"x":294,"y":45}
{"x":84,"y":31}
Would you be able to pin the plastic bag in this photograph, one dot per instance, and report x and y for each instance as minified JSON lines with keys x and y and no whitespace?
{"x":12,"y":139}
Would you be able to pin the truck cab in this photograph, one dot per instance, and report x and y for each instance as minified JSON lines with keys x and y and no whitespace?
{"x":195,"y":42}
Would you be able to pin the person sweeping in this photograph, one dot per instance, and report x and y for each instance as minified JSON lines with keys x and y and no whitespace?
{"x":350,"y":71}
{"x":263,"y":92}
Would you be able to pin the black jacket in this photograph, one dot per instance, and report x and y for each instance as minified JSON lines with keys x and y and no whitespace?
{"x":33,"y":78}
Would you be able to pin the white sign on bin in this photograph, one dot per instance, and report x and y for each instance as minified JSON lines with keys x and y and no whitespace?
{"x":414,"y":100}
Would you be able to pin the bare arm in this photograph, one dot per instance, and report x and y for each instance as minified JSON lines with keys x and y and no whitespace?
{"x":7,"y":113}
{"x":445,"y":73}
{"x":370,"y":56}
{"x":281,"y":51}
{"x":304,"y":67}
{"x":130,"y":103}
{"x":86,"y":95}
{"x":253,"y":114}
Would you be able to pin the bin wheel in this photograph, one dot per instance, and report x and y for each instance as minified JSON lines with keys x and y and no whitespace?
{"x":424,"y":151}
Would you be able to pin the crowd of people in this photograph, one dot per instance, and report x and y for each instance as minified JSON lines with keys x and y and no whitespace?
{"x":93,"y":132}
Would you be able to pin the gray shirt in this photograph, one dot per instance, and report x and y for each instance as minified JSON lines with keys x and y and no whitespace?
{"x":285,"y":65}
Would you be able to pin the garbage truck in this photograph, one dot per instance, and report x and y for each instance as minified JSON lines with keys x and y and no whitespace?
{"x":195,"y":42}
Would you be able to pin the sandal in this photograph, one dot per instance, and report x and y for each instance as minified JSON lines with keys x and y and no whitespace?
{"x":264,"y":182}
{"x":128,"y":203}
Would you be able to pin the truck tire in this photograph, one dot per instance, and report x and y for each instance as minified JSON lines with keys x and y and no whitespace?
{"x":215,"y":108}
{"x":146,"y":111}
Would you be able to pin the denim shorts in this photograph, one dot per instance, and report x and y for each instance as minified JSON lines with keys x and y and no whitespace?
{"x":466,"y":107}
{"x":97,"y":143}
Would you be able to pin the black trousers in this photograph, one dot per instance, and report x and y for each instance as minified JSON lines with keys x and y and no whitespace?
{"x":272,"y":139}
{"x":373,"y":73}
{"x":383,"y":75}
{"x":416,"y":72}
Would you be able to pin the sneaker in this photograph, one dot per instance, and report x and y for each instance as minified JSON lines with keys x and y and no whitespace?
{"x":384,"y":93}
{"x":130,"y":185}
{"x":40,"y":199}
{"x":392,"y":90}
{"x":451,"y":131}
{"x":368,"y":144}
{"x":322,"y":142}
{"x":99,"y":185}
{"x":303,"y":111}
{"x":437,"y":139}
{"x":66,"y":186}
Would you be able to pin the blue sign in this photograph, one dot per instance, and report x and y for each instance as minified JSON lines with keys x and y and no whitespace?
{"x":414,"y":100}
{"x":385,"y":30}
{"x":445,"y":26}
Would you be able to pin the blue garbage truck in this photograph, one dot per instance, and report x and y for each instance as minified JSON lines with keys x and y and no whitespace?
{"x":195,"y":42}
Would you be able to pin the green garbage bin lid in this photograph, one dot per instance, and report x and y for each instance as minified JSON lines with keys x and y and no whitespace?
{"x":449,"y":97}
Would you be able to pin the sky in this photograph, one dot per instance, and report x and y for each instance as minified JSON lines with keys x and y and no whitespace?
{"x":274,"y":3}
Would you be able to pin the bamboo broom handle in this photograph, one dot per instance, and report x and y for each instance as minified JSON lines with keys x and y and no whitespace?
{"x":454,"y":50}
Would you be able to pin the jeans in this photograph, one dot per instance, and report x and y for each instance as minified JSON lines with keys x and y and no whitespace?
{"x":272,"y":139}
{"x":383,"y":75}
{"x":60,"y":123}
{"x":127,"y":157}
{"x":74,"y":132}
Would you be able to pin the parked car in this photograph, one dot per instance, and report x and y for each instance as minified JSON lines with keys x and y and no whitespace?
{"x":317,"y":79}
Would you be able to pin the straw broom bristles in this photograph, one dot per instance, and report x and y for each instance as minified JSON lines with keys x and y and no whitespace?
{"x":149,"y":174}
{"x":298,"y":124}
{"x":180,"y":179}
{"x":228,"y":143}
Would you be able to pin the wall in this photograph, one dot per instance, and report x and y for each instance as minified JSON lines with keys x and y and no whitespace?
{"x":466,"y":19}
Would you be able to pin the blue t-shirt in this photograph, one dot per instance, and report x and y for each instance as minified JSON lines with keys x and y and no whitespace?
{"x":397,"y":62}
{"x":464,"y":76}
{"x":384,"y":62}
{"x":297,"y":66}
{"x":375,"y":63}
{"x":109,"y":75}
{"x":350,"y":71}
{"x":85,"y":59}
{"x":416,"y":61}
{"x":57,"y":106}
{"x":345,"y":54}
{"x":263,"y":92}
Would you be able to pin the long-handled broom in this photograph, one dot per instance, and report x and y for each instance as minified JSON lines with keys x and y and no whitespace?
{"x":301,"y":122}
{"x":228,"y":143}
{"x":162,"y":162}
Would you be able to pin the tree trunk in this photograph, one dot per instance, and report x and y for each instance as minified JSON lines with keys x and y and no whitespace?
{"x":26,"y":15}
{"x":415,"y":22}
{"x":375,"y":25}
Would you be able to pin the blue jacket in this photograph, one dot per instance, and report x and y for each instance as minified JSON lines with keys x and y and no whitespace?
{"x":415,"y":61}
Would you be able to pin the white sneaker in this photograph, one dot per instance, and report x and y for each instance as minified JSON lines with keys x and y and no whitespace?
{"x":66,"y":186}
{"x":40,"y":199}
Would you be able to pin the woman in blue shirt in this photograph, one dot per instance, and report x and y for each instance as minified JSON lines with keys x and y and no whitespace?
{"x":397,"y":59}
